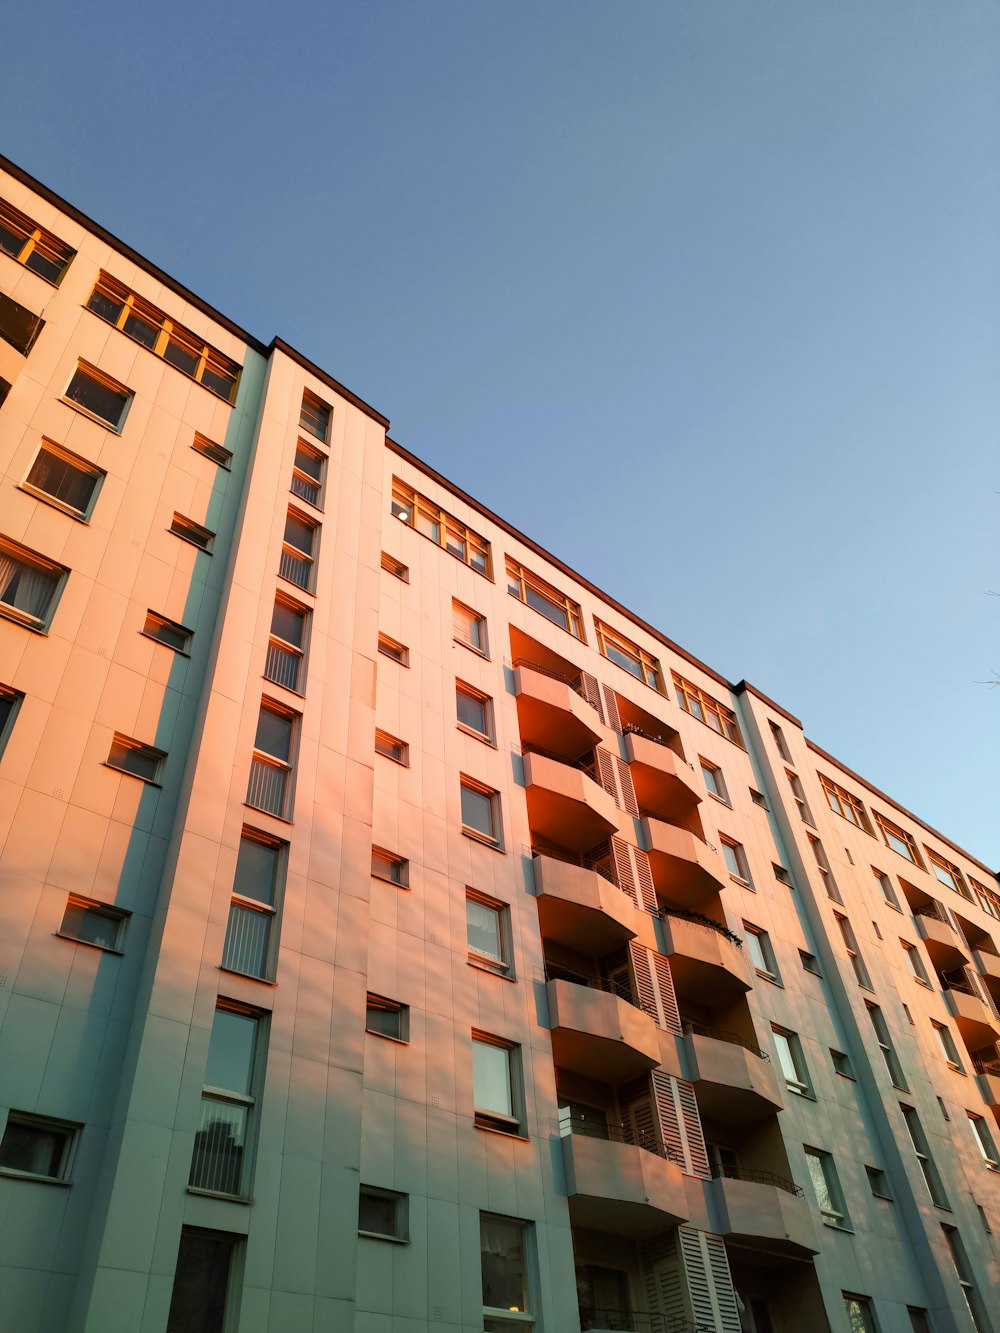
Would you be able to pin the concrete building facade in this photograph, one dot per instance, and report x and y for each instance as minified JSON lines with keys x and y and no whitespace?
{"x":397,"y":933}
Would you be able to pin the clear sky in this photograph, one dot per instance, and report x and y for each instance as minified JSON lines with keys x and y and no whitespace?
{"x":704,"y":295}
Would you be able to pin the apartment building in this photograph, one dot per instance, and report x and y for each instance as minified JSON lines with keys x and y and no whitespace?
{"x":397,"y":934}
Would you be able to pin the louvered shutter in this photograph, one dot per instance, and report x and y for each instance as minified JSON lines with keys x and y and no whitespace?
{"x":663,"y":1277}
{"x":644,"y":879}
{"x":591,"y":691}
{"x":611,"y":699}
{"x":664,"y":983}
{"x":606,"y":773}
{"x":623,"y":869}
{"x":644,"y":981}
{"x":708,"y":1280}
{"x":680,"y":1123}
{"x":626,"y":798}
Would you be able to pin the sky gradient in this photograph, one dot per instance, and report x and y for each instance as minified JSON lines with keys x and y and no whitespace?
{"x":704,"y":297}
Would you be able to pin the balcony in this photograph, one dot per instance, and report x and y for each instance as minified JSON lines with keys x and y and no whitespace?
{"x":686,"y":871}
{"x":707,"y":962}
{"x":665,"y":784}
{"x":988,"y":1078}
{"x":989,"y":966}
{"x":565,"y":804}
{"x":580,"y":908}
{"x":734,"y":1081}
{"x":945,"y":947}
{"x":552,"y":712}
{"x":619,"y":1187}
{"x":596,"y":1032}
{"x":974,"y":1019}
{"x":755,"y":1206}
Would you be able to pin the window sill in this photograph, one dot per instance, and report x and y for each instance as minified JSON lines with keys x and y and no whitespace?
{"x":205,"y":550}
{"x":247,"y":976}
{"x":721,"y":799}
{"x":743,"y":883}
{"x":513,"y":1133}
{"x":484,"y":965}
{"x":838,"y":1226}
{"x":30,"y":1175}
{"x":476,"y":735}
{"x":51,"y":500}
{"x":149,"y":782}
{"x":89,"y":944}
{"x":464,"y":643}
{"x":769,"y":976}
{"x":218,"y":1194}
{"x":384,"y":879}
{"x":379,"y":1235}
{"x":493,"y":844}
{"x":92,"y":416}
{"x":287,"y":689}
{"x":153,"y":639}
{"x":384,"y":1036}
{"x":895,"y":906}
{"x":22,"y":618}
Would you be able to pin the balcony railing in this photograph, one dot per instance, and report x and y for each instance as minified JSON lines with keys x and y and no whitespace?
{"x":698,"y":919}
{"x":282,"y":665}
{"x":933,"y":910}
{"x":647,"y":1140}
{"x":731,"y":1038}
{"x":306,"y":489}
{"x":619,"y":986}
{"x":296,"y":568}
{"x":622,"y":1321}
{"x":268,"y":786}
{"x":721,"y":1171}
{"x":630,"y":729}
{"x":990,"y":1067}
{"x":575,"y":682}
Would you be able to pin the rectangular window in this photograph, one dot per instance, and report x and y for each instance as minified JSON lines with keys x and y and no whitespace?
{"x":799,"y":796}
{"x":715,"y":783}
{"x":823,"y":1175}
{"x":179,"y":347}
{"x":496,"y":1084}
{"x":761,"y":953}
{"x":841,"y":1063}
{"x":417,"y":512}
{"x":222,"y":1145}
{"x":19,"y":326}
{"x":99,"y":396}
{"x":616,"y":648}
{"x":736,"y":861}
{"x":983,"y":1139}
{"x":135,"y":758}
{"x":307,"y":475}
{"x":948,"y":874}
{"x":758,"y":798}
{"x":397,"y":651}
{"x":961,"y":1261}
{"x":946,"y":1045}
{"x":989,"y":900}
{"x":507,"y":1304}
{"x":809,"y":963}
{"x":382,"y":1214}
{"x":791,"y":1060}
{"x":923,"y":1152}
{"x":33,"y":246}
{"x":391,"y":747}
{"x":481,"y":813}
{"x":202,"y":1282}
{"x":853,"y":953}
{"x":390,"y":867}
{"x":542,"y":597}
{"x":919,"y":1323}
{"x":830,"y":885}
{"x":315,"y":416}
{"x":842,"y":803}
{"x":64,"y":480}
{"x":217,"y":453}
{"x":167,"y":632}
{"x":878,"y":1183}
{"x":269,"y":788}
{"x":285,"y":661}
{"x":859,"y":1313}
{"x":469,"y":628}
{"x":915,"y":963}
{"x":779,"y":741}
{"x":190,"y":531}
{"x":881,"y":1030}
{"x":487,"y":924}
{"x":298,"y":551}
{"x":782,"y":875}
{"x":10,"y":702}
{"x":387,"y":1018}
{"x":474,"y":711}
{"x":90,"y":922}
{"x":33,"y":1145}
{"x":395,"y":567}
{"x":706,"y":709}
{"x":886,"y":889}
{"x":251,"y":933}
{"x":897,"y":839}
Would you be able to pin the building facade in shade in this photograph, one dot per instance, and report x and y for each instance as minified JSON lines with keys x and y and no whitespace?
{"x":399,"y":934}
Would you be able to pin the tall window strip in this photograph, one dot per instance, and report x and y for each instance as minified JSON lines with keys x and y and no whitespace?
{"x":989,"y":899}
{"x":270,"y":785}
{"x":251,"y":932}
{"x":285,"y":661}
{"x":544,"y":598}
{"x":144,"y":323}
{"x":624,"y":653}
{"x":881,"y":1030}
{"x":10,"y":702}
{"x":440,"y":527}
{"x":33,"y":246}
{"x":826,"y":874}
{"x":706,"y":709}
{"x":298,"y":550}
{"x":314,"y":416}
{"x":853,"y":952}
{"x":897,"y":839}
{"x":923,"y":1152}
{"x":843,"y":803}
{"x":223,"y":1143}
{"x":308,"y":473}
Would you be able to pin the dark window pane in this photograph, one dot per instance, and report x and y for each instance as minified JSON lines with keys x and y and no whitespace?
{"x":108,"y":307}
{"x":256,"y":871}
{"x":32,"y":1148}
{"x":45,"y":265}
{"x":377,"y":1213}
{"x":105,"y":402}
{"x":18,"y":325}
{"x":182,"y":356}
{"x":477,"y":811}
{"x":201,"y":1282}
{"x":91,"y":925}
{"x":142,"y":330}
{"x":298,"y":534}
{"x":231,"y":1051}
{"x":287,"y":623}
{"x":274,"y":734}
{"x":63,"y":480}
{"x":11,"y":242}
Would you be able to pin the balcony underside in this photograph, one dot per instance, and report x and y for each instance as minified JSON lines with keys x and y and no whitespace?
{"x":686,"y":871}
{"x":733,"y":1086}
{"x":620,"y":1189}
{"x":600,"y":1035}
{"x":581,"y":909}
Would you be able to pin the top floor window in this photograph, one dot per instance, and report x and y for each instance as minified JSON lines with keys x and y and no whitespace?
{"x":706,"y":709}
{"x":947,"y":873}
{"x":178,"y":346}
{"x":541,"y":596}
{"x":989,"y":899}
{"x":616,"y":648}
{"x":898,"y":839}
{"x":416,"y":511}
{"x":842,"y":803}
{"x":315,"y":416}
{"x":33,"y":246}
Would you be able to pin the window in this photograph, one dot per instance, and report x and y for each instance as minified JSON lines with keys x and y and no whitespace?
{"x":19,"y":326}
{"x":29,"y":585}
{"x":270,"y":782}
{"x":841,"y":1063}
{"x":779,"y":741}
{"x":830,"y":885}
{"x":897,"y":839}
{"x":782,"y":875}
{"x":919,"y":1323}
{"x":714,"y":781}
{"x":315,"y":416}
{"x":285,"y":661}
{"x":809,"y":963}
{"x":616,"y":648}
{"x":791,"y":1060}
{"x":706,"y":709}
{"x":474,"y":710}
{"x":395,"y":567}
{"x":382,"y":1214}
{"x":64,"y":479}
{"x":758,"y":798}
{"x":947,"y":874}
{"x":542,"y":597}
{"x":167,"y":632}
{"x":496,"y":1084}
{"x":33,"y":1145}
{"x":190,"y":531}
{"x":943,"y":1109}
{"x":417,"y":512}
{"x":391,"y":747}
{"x":91,"y":922}
{"x":886,"y":889}
{"x":4,"y":391}
{"x":307,"y":474}
{"x":961,"y":1262}
{"x":736,"y":860}
{"x":909,"y":1016}
{"x":387,"y":1018}
{"x":469,"y":628}
{"x":881,"y":1029}
{"x":983,"y":1139}
{"x":761,"y":953}
{"x":989,"y":901}
{"x":878,"y":1183}
{"x":503,"y":1244}
{"x":99,"y":396}
{"x":218,"y":453}
{"x":202,"y":1281}
{"x":487,"y":924}
{"x":33,"y":246}
{"x":164,"y":337}
{"x":805,"y":814}
{"x":859,"y":1313}
{"x":481,"y":813}
{"x":135,"y":758}
{"x":842,"y":803}
{"x":823,"y":1175}
{"x":984,"y":1219}
{"x":298,"y":551}
{"x":251,"y":941}
{"x":10,"y":702}
{"x":920,"y":1147}
{"x":222,"y":1145}
{"x":397,"y":651}
{"x":390,"y":867}
{"x":915,"y":963}
{"x":851,"y":945}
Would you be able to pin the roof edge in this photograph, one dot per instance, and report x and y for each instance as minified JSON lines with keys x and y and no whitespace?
{"x":279,"y":344}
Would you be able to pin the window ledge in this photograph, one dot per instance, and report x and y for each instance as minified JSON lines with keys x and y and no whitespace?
{"x":894,"y":906}
{"x":504,"y":1133}
{"x":218,"y":1194}
{"x":10,"y":1172}
{"x":247,"y":976}
{"x":379,"y":1235}
{"x":205,"y":550}
{"x":286,"y":689}
{"x":180,"y":652}
{"x":743,"y":883}
{"x":22,"y":618}
{"x":494,"y":844}
{"x":89,"y":944}
{"x":770,"y":977}
{"x":484,"y":965}
{"x":464,"y":643}
{"x":476,"y":735}
{"x":51,"y":500}
{"x":384,"y":879}
{"x":384,"y":1036}
{"x":92,"y":416}
{"x":149,"y":782}
{"x":721,"y":799}
{"x":838,"y":1226}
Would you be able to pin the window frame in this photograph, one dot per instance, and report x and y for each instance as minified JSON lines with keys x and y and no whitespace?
{"x":16,"y":699}
{"x":701,"y":706}
{"x":492,"y":1119}
{"x":400,"y":882}
{"x":525,"y":582}
{"x":501,"y":964}
{"x":249,"y":1101}
{"x":845,"y":803}
{"x":915,"y":963}
{"x":883,"y":1039}
{"x":264,"y":759}
{"x":984,"y":1140}
{"x":947,"y":873}
{"x":770,"y":970}
{"x":232,"y":1278}
{"x":303,"y":485}
{"x":494,"y":839}
{"x":296,"y":564}
{"x":129,"y":744}
{"x":510,"y":1317}
{"x":400,"y":1234}
{"x":835,"y":1213}
{"x":166,"y":622}
{"x":712,"y":771}
{"x":742,"y":874}
{"x":395,"y":567}
{"x":488,"y":734}
{"x":284,"y":651}
{"x":878,"y":1183}
{"x":892,"y":831}
{"x":886,"y":888}
{"x":244,"y":903}
{"x":391,"y":747}
{"x":394,"y":650}
{"x":445,"y":531}
{"x":381,"y":1004}
{"x":39,"y":564}
{"x":475,"y":619}
{"x":921,"y":1149}
{"x":36,"y":240}
{"x":195,"y":534}
{"x":69,"y":1131}
{"x":308,"y":419}
{"x":647,"y":667}
{"x":858,"y":966}
{"x":946,"y":1045}
{"x":215,"y":453}
{"x":865,"y":1310}
{"x":73,"y":461}
{"x":118,"y":915}
{"x":787,"y":1041}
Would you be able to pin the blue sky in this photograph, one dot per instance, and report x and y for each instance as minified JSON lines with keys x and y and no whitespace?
{"x":724,"y":274}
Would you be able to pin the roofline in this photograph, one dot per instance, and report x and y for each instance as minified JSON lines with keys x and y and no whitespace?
{"x":279,"y":344}
{"x":744,"y":687}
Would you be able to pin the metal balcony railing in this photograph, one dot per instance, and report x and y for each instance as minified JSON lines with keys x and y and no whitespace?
{"x":932,"y":909}
{"x":630,"y":729}
{"x":618,"y":985}
{"x":698,"y":919}
{"x":990,"y":1067}
{"x":721,"y":1171}
{"x":731,"y":1038}
{"x":282,"y":665}
{"x":575,"y":682}
{"x":631,"y":1321}
{"x":647,"y":1140}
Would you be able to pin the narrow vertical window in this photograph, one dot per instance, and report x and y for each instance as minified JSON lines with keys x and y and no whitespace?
{"x":249,"y":946}
{"x":285,"y":662}
{"x":315,"y":416}
{"x":307,"y":475}
{"x":507,"y":1304}
{"x":298,"y":551}
{"x":270,"y":783}
{"x":200,"y":1299}
{"x":222,"y":1145}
